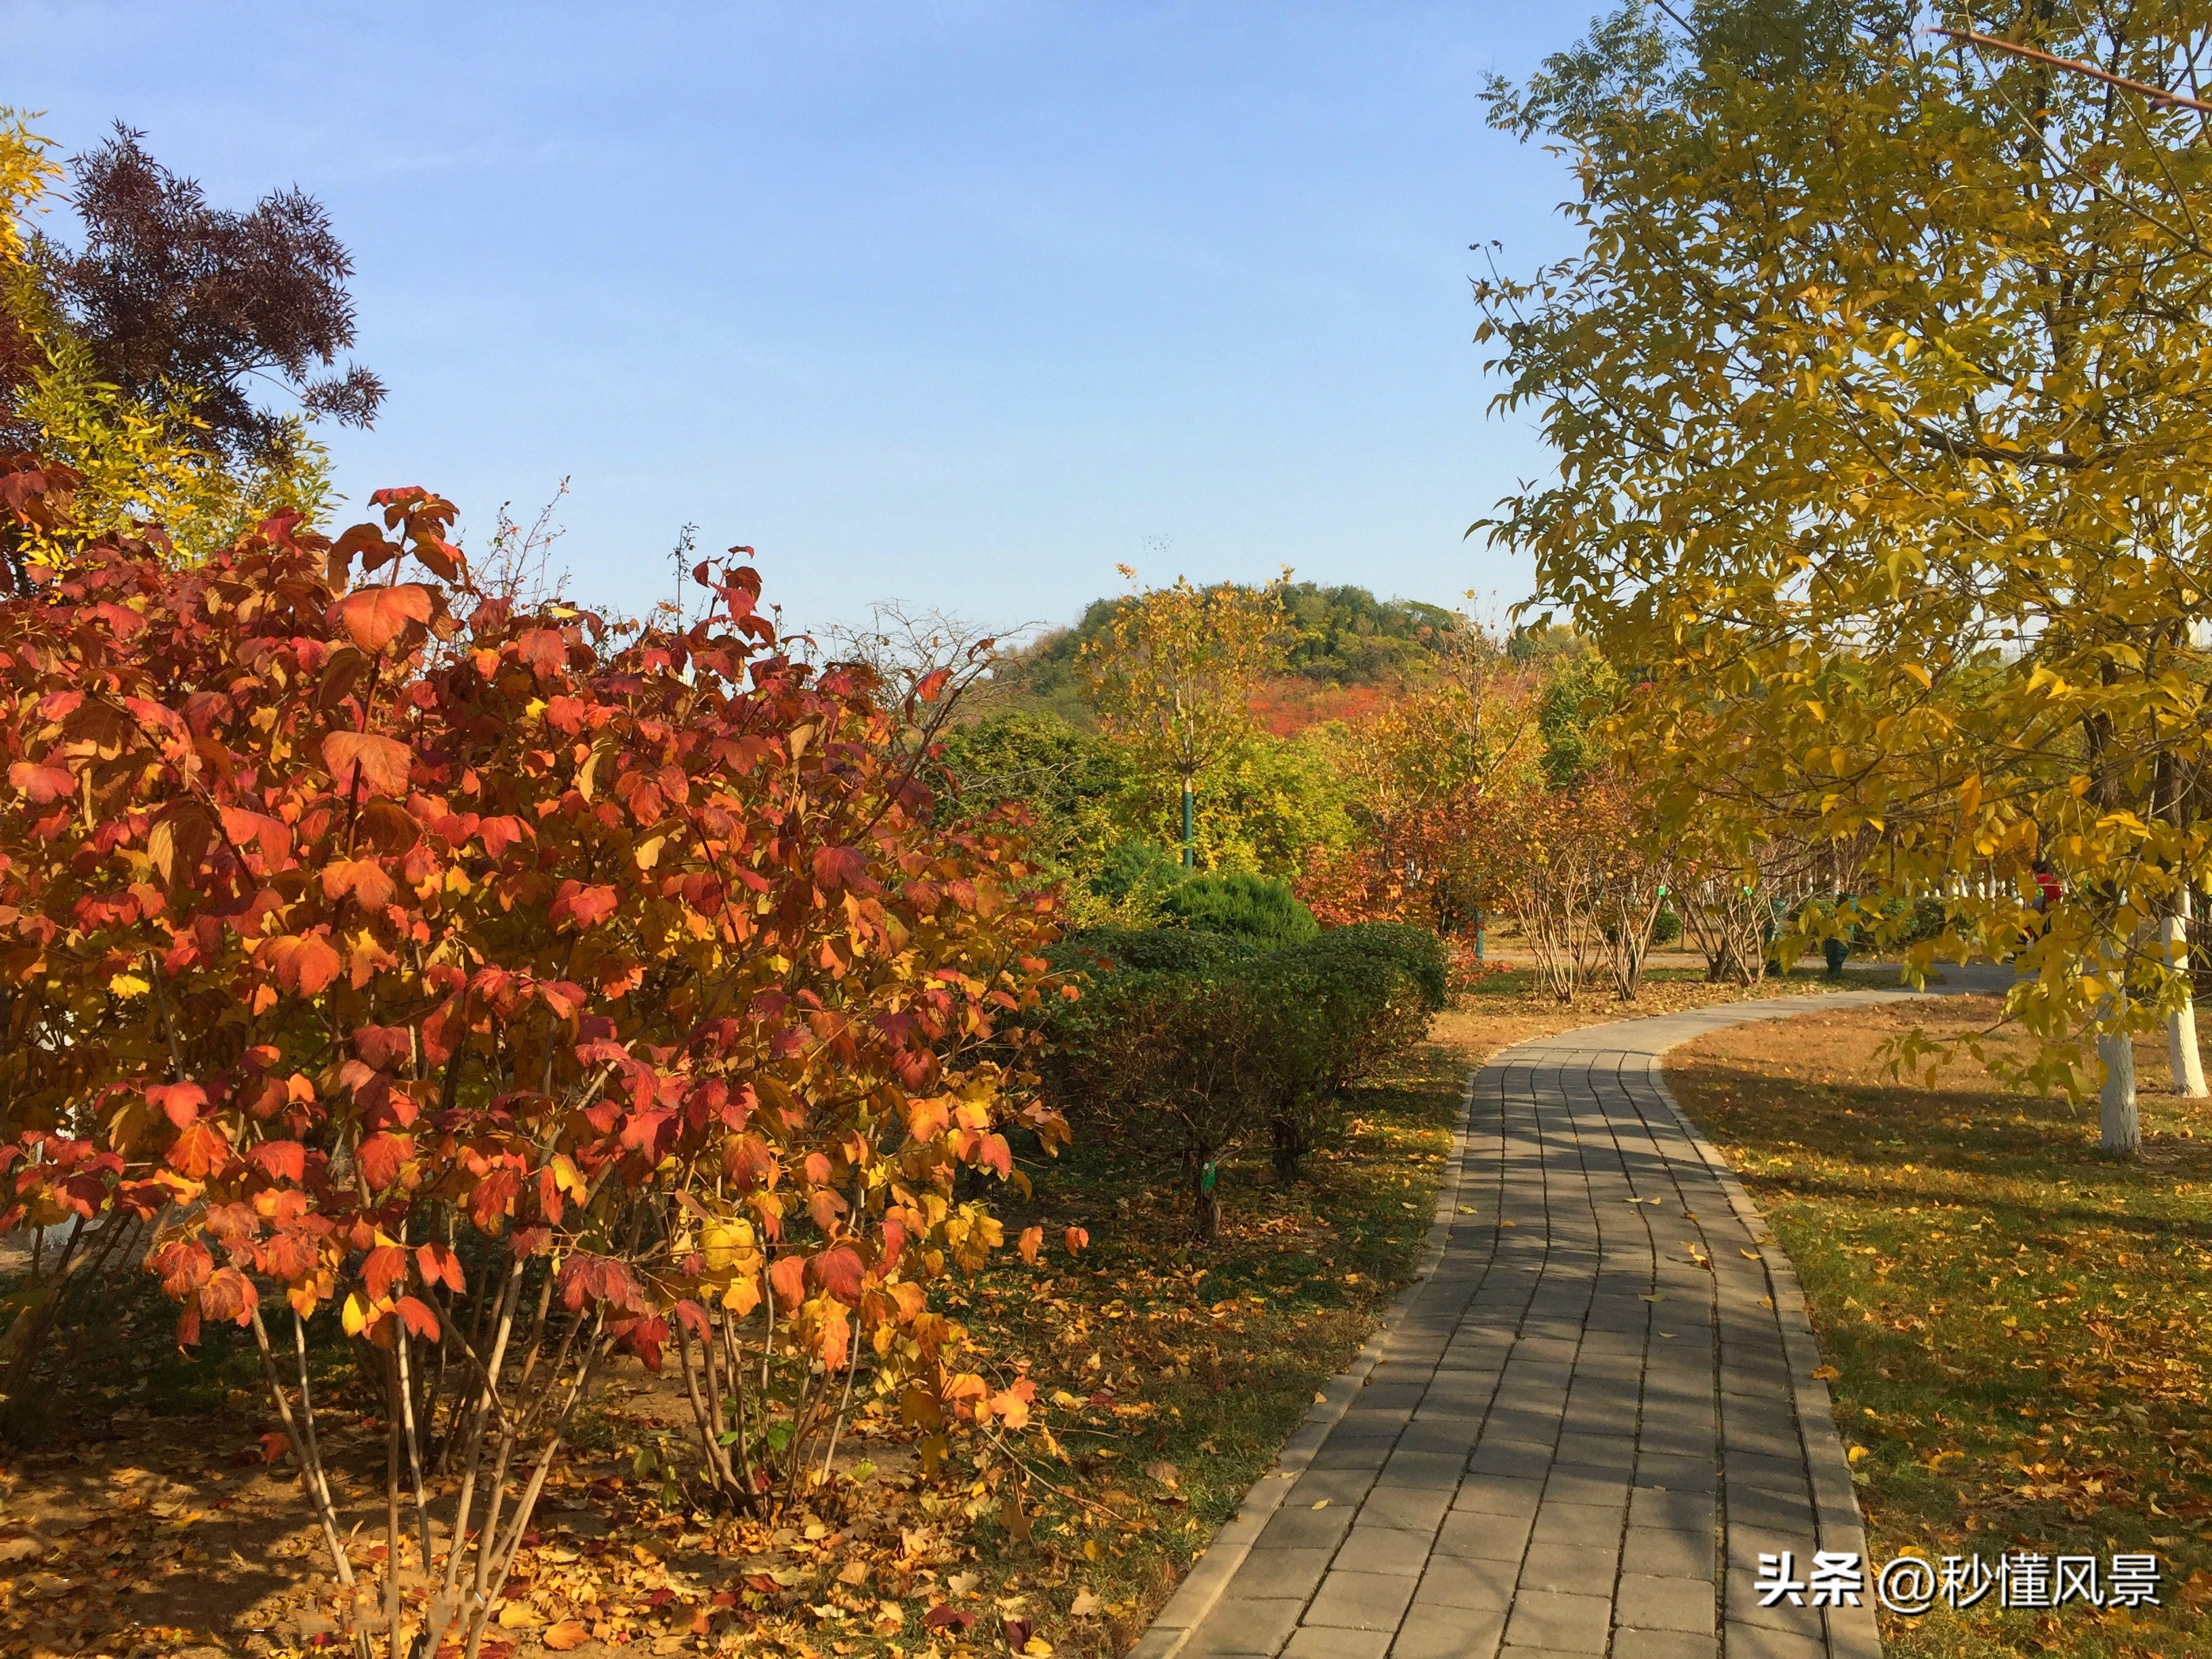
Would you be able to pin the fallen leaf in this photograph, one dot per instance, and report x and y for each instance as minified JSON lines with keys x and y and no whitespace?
{"x":565,"y":1635}
{"x":1322,"y":1504}
{"x":519,"y":1615}
{"x":1826,"y":1373}
{"x":1085,"y":1606}
{"x":962,"y":1584}
{"x":1165,"y":1473}
{"x":1748,"y":1256}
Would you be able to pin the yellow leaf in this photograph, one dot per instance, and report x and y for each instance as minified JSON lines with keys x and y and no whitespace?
{"x":1826,"y":1373}
{"x":354,"y":1315}
{"x":519,"y":1615}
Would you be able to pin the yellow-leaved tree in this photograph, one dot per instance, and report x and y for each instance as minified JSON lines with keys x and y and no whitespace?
{"x":1173,"y":673}
{"x":1881,"y":386}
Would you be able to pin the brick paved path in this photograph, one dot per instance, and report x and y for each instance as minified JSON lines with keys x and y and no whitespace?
{"x":1580,"y":1429}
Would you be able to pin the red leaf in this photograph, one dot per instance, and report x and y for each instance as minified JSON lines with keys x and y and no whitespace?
{"x":388,"y":1048}
{"x":543,"y":650}
{"x":839,"y":867}
{"x":383,"y":1155}
{"x":585,"y":906}
{"x":274,"y":1445}
{"x":279,"y":1160}
{"x":837,"y":1270}
{"x":386,"y":1265}
{"x":436,"y":1263}
{"x":932,"y":685}
{"x":180,"y":1102}
{"x":229,"y":1295}
{"x":364,"y":760}
{"x":41,"y":783}
{"x":418,"y":1317}
{"x":375,"y":616}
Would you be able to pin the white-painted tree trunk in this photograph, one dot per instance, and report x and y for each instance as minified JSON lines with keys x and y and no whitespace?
{"x":2116,"y":1102}
{"x":2181,"y":1051}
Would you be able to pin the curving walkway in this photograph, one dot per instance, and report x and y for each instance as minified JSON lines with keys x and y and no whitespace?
{"x":1583,"y":1424}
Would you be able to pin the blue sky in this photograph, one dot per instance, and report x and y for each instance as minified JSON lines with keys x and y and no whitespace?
{"x":959,"y":304}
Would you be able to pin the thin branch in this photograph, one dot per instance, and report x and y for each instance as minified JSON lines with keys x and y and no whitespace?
{"x":2156,"y":94}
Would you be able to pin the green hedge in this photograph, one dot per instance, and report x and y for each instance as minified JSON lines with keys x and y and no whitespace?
{"x":1191,"y":1045}
{"x":1235,"y":901}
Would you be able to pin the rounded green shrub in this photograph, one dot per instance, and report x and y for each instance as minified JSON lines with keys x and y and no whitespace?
{"x":1236,"y":902}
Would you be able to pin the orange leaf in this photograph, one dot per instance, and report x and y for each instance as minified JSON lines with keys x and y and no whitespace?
{"x":364,"y":879}
{"x":200,"y":1150}
{"x":381,"y":764}
{"x":565,"y":1635}
{"x":1032,"y":1240}
{"x":375,"y":616}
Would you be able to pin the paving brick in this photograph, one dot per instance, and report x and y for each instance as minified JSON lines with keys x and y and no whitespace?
{"x":1306,"y":1529}
{"x":1383,"y":1549}
{"x":1682,"y":1511}
{"x":1599,"y":1451}
{"x":1576,"y":1568}
{"x":1237,"y":1627}
{"x":1662,"y":1553}
{"x":1757,"y":1641}
{"x":1651,"y":1602}
{"x":1314,"y":1642}
{"x":1280,"y":1574}
{"x":1576,"y":1523}
{"x":1462,"y":1582}
{"x":1417,"y":1508}
{"x":1527,"y":1459}
{"x":1498,"y":1494}
{"x":1628,"y":1644}
{"x":1423,"y":1468}
{"x":1448,"y":1633}
{"x":1361,"y":1601}
{"x":1562,"y":1624}
{"x":1482,"y":1537}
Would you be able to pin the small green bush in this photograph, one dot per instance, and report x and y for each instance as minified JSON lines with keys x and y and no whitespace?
{"x":1147,"y":951}
{"x":1667,"y":928}
{"x":1197,"y":1043}
{"x":1236,"y":902}
{"x":1416,"y":951}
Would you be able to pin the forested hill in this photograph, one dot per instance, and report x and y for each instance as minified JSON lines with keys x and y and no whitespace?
{"x":1349,"y":647}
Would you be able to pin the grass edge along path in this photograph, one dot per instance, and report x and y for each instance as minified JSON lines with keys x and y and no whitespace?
{"x":2021,"y":1328}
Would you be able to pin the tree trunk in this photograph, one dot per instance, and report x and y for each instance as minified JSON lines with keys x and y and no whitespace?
{"x":2123,"y":1127}
{"x":2181,"y":1053}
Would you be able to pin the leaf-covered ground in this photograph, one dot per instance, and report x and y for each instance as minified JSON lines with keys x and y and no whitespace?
{"x":2023,"y":1328}
{"x":1168,"y":1372}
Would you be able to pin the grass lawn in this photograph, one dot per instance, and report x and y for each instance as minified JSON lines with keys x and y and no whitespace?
{"x":2023,"y":1328}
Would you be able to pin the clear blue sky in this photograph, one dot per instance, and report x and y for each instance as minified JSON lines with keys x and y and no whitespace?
{"x":954,"y":303}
